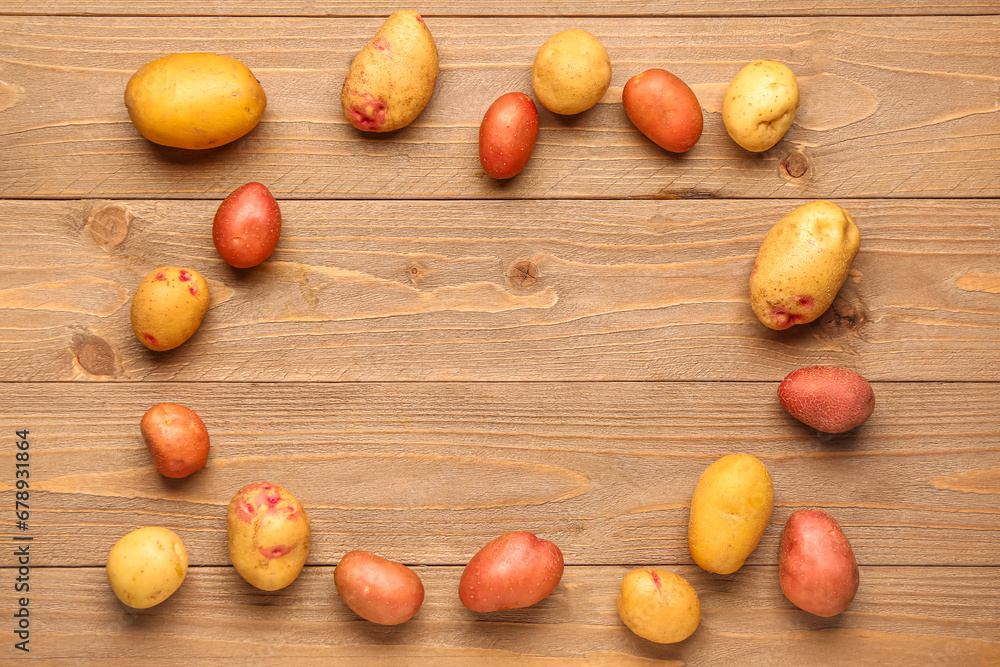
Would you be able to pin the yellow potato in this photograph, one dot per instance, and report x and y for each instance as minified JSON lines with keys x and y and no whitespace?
{"x":269,"y":535}
{"x":146,"y":566}
{"x":168,"y":306}
{"x":571,"y":73}
{"x":194,"y":100}
{"x":729,"y":512}
{"x":658,"y":605}
{"x":392,"y":79}
{"x":760,"y":104}
{"x":802,"y":263}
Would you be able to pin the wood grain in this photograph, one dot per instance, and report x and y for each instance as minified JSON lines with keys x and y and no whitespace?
{"x":432,"y":291}
{"x":900,"y":107}
{"x":520,"y":8}
{"x":429,"y":472}
{"x":901,"y":616}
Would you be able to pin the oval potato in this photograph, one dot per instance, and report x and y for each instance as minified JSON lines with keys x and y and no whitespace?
{"x":659,"y":605}
{"x":817,"y":568}
{"x":760,"y":104}
{"x":802,"y":264}
{"x":194,"y":100}
{"x":507,"y":135}
{"x":269,"y":535}
{"x":147,"y":566}
{"x":378,"y":590}
{"x":247,"y":226}
{"x":571,"y":72}
{"x":729,"y":512}
{"x":665,"y":109}
{"x":828,"y":398}
{"x":514,"y":570}
{"x":176,"y":438}
{"x":168,"y":306}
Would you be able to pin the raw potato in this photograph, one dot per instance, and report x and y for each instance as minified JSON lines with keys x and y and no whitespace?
{"x":729,"y":512}
{"x":392,"y":79}
{"x":514,"y":570}
{"x":664,"y":109}
{"x":507,"y":135}
{"x":817,"y":568}
{"x":176,"y":438}
{"x":378,"y":590}
{"x":659,"y":605}
{"x":146,"y":566}
{"x":194,"y":100}
{"x":828,"y":398}
{"x":802,"y":264}
{"x":168,"y":307}
{"x":571,"y":73}
{"x":247,"y":226}
{"x":760,"y":104}
{"x":268,"y":535}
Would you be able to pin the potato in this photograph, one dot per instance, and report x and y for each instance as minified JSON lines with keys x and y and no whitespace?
{"x":247,"y":226}
{"x":378,"y":590}
{"x":817,"y":568}
{"x":729,"y":512}
{"x":194,"y":100}
{"x":828,"y":398}
{"x":146,"y":566}
{"x":802,"y":263}
{"x":392,"y":79}
{"x":515,"y":570}
{"x":663,"y":108}
{"x":571,"y":73}
{"x":168,"y":306}
{"x":659,"y":605}
{"x":176,"y":438}
{"x":507,"y":135}
{"x":760,"y":104}
{"x":268,"y":535}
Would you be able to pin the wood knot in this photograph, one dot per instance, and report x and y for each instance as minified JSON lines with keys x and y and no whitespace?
{"x":108,"y":224}
{"x":844,"y":315}
{"x":795,"y":166}
{"x":95,"y":356}
{"x":416,"y":272}
{"x":523,"y":273}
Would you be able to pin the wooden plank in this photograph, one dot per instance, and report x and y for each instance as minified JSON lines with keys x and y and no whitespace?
{"x":901,"y":615}
{"x":429,"y":291}
{"x":330,"y":8}
{"x":429,"y":472}
{"x":893,"y":107}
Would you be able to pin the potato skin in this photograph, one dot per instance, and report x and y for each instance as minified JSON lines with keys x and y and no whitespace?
{"x":729,"y":512}
{"x":817,"y":568}
{"x":802,"y":264}
{"x":664,"y":109}
{"x":194,"y":100}
{"x":760,"y":104}
{"x":571,"y":72}
{"x":507,"y":135}
{"x":828,"y":398}
{"x":176,"y":438}
{"x":168,"y":306}
{"x":269,"y":535}
{"x":247,"y":226}
{"x":146,"y":566}
{"x":514,"y":570}
{"x":659,"y":605}
{"x":378,"y":590}
{"x":392,"y":78}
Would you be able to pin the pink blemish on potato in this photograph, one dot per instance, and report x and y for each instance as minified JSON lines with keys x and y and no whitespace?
{"x":149,"y":337}
{"x":184,"y":275}
{"x":194,"y":290}
{"x":419,"y":20}
{"x":245,"y":511}
{"x":783,"y":319}
{"x":805,"y":301}
{"x":382,"y":44}
{"x":370,"y":115}
{"x":656,"y":580}
{"x":275,"y":551}
{"x":160,"y":276}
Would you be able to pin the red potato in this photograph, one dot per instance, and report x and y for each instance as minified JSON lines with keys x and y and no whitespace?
{"x":378,"y":590}
{"x":817,"y":568}
{"x":507,"y":135}
{"x":247,"y":226}
{"x":515,"y":570}
{"x":176,"y":438}
{"x":828,"y":398}
{"x":664,"y":108}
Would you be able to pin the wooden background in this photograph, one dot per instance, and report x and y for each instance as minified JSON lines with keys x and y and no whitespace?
{"x":432,"y":358}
